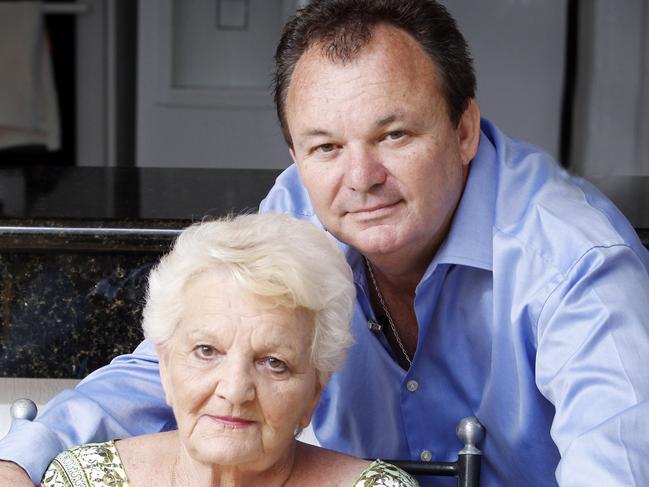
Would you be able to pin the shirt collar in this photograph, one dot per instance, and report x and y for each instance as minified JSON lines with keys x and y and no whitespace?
{"x":470,"y":238}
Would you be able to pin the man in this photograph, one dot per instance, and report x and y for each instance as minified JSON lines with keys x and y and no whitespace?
{"x":490,"y":282}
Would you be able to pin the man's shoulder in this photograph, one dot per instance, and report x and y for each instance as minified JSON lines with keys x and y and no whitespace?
{"x":288,"y":195}
{"x":543,"y":210}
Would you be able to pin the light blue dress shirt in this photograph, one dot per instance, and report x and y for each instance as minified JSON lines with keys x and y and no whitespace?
{"x":533,"y":317}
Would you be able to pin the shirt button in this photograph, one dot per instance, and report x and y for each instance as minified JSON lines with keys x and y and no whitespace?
{"x":426,"y":456}
{"x":412,"y":385}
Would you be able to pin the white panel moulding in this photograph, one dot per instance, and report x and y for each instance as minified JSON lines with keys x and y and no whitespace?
{"x":215,"y":93}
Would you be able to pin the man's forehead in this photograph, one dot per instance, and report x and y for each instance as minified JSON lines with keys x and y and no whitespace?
{"x":386,"y":41}
{"x":380,"y":67}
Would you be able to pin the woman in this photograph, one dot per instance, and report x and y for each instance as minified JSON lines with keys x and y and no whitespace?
{"x":249,"y":316}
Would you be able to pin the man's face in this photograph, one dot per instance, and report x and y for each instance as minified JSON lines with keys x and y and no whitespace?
{"x":374,"y":146}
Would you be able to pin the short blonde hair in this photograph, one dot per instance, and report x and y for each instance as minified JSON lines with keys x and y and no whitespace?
{"x":292,"y":262}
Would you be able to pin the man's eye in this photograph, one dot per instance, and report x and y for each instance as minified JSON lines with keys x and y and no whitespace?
{"x":325,"y":148}
{"x":395,"y":135}
{"x":205,"y":351}
{"x":275,"y":365}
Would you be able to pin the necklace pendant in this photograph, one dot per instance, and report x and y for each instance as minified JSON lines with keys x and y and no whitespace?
{"x":374,"y":326}
{"x":397,"y":338}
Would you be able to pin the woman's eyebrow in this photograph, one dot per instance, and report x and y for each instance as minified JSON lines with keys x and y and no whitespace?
{"x":277,"y":345}
{"x":201,"y":333}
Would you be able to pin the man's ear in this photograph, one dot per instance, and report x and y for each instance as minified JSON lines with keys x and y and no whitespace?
{"x":468,"y":132}
{"x":292,"y":152}
{"x":164,"y":354}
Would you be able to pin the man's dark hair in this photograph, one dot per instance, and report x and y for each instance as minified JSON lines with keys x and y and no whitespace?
{"x":344,"y":27}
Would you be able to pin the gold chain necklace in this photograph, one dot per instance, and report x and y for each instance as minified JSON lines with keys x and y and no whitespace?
{"x":387,"y":313}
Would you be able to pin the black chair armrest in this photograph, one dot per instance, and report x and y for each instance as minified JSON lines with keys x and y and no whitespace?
{"x":467,"y":466}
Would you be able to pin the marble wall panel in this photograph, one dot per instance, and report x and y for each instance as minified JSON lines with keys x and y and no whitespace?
{"x":62,"y":315}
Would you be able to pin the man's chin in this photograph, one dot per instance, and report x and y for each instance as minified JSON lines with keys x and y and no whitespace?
{"x":378,"y":240}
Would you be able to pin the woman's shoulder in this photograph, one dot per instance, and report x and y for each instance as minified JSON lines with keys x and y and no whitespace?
{"x":380,"y":473}
{"x":344,"y":470}
{"x":148,"y":458}
{"x":87,"y":465}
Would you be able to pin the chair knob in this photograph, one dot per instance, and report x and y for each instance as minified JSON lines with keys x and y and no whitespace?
{"x":23,"y":409}
{"x":470,"y":432}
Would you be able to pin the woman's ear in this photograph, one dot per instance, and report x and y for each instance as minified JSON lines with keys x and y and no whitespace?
{"x":164,"y":355}
{"x":306,"y":418}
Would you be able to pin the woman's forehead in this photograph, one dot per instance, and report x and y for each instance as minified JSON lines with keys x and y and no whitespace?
{"x":215,"y":309}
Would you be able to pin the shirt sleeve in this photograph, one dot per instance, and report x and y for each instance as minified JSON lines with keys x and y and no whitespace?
{"x":591,"y":364}
{"x":122,"y":399}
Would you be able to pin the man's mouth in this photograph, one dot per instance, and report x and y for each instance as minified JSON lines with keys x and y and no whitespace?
{"x":375,"y":211}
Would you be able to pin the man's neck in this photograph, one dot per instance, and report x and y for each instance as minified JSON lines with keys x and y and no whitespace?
{"x":401,"y":273}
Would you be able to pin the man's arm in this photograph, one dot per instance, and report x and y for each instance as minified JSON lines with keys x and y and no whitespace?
{"x":122,"y":399}
{"x":14,"y":476}
{"x":593,"y":344}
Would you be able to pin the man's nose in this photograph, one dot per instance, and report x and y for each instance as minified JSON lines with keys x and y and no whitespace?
{"x":364,"y":169}
{"x":235,"y":383}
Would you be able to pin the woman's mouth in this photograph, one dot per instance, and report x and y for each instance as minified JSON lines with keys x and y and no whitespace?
{"x":232,"y":422}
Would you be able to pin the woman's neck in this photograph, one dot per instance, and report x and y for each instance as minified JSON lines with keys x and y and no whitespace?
{"x":188,"y":471}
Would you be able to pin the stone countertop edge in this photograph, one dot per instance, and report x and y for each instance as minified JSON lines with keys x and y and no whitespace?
{"x":78,"y":235}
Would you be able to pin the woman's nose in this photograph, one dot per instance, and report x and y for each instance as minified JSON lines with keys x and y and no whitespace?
{"x":236,"y":383}
{"x":364,"y":169}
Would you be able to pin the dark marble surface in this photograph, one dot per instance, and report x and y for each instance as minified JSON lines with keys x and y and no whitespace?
{"x":129,"y":194}
{"x":76,"y":246}
{"x":64,"y":315}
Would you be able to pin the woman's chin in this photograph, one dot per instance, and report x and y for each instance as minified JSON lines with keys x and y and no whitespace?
{"x":226,"y":454}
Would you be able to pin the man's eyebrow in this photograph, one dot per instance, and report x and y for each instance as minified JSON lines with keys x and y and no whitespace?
{"x":316,"y":132}
{"x":380,"y":123}
{"x":389,"y":119}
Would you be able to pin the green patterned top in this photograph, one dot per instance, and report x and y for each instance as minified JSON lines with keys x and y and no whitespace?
{"x":99,"y":465}
{"x":91,"y":465}
{"x":383,"y":474}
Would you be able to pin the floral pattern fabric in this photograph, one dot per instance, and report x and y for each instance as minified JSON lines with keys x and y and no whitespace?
{"x":381,"y":474}
{"x":91,"y":465}
{"x":99,"y":465}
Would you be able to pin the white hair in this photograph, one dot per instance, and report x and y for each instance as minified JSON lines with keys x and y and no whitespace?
{"x":292,"y":262}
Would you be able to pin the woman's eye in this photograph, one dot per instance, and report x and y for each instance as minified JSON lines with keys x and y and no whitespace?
{"x":275,"y":364}
{"x":205,"y":351}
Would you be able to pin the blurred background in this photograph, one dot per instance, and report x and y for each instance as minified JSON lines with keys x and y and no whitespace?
{"x":185,"y":83}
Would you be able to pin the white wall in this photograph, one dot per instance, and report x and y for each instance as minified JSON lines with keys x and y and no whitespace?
{"x":202,"y":103}
{"x":611,"y":122}
{"x":518,"y":49}
{"x":38,"y":390}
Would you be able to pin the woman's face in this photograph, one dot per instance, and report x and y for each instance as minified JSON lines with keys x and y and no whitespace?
{"x":238,"y":375}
